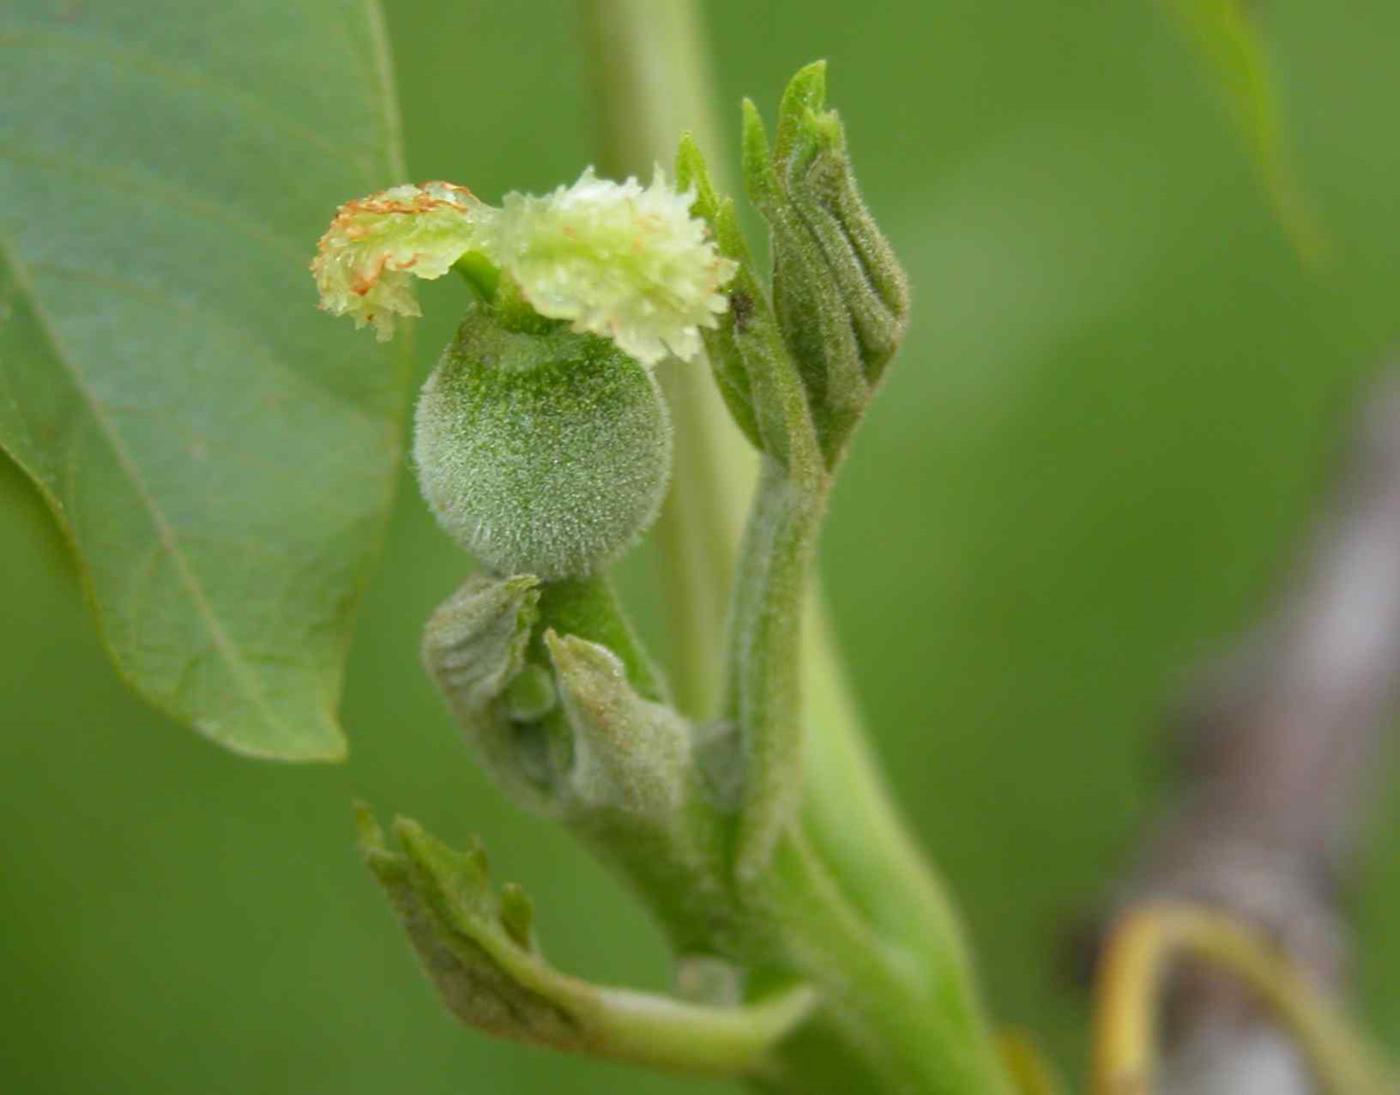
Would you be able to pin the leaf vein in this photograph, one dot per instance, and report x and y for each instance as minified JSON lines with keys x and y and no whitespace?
{"x":255,"y":347}
{"x":383,"y":64}
{"x":221,"y":641}
{"x":122,"y":180}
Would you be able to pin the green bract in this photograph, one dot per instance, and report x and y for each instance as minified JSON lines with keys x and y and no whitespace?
{"x":541,"y":452}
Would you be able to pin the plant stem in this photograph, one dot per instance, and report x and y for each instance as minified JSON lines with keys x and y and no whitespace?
{"x":860,"y":896}
{"x":660,"y":1032}
{"x":1139,"y":954}
{"x":589,"y":608}
{"x":887,"y":1025}
{"x":853,"y":823}
{"x":872,"y":934}
{"x":651,"y":87}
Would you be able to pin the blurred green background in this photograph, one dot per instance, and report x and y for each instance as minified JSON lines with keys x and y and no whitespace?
{"x":1092,"y":463}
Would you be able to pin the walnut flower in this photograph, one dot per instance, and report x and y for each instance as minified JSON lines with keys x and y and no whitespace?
{"x":615,"y":259}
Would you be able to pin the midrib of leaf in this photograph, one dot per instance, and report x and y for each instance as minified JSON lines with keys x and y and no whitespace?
{"x":166,"y":536}
{"x":382,"y":64}
{"x":120,"y":180}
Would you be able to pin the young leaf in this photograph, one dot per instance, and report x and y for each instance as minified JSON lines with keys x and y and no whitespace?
{"x":1227,"y":35}
{"x":477,"y":945}
{"x":221,"y":455}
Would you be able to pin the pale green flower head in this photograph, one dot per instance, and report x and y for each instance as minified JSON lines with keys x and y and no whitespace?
{"x":367,"y":258}
{"x":619,"y":260}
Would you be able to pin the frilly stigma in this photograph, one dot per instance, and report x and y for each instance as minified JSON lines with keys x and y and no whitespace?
{"x":365,"y":260}
{"x":619,"y":260}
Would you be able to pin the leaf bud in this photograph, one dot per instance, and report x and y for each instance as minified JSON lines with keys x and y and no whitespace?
{"x":839,"y":293}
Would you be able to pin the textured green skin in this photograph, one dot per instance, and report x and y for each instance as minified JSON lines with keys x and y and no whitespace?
{"x":541,"y":452}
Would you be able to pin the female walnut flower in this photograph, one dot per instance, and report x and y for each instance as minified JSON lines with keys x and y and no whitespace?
{"x":365,"y":259}
{"x":615,"y":259}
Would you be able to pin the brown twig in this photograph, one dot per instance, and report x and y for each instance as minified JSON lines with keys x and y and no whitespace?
{"x":1281,"y":745}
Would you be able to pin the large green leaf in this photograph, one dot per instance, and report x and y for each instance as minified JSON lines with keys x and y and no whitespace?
{"x":221,"y":455}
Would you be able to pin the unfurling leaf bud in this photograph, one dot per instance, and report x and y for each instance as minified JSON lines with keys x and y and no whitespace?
{"x":752,"y":366}
{"x":840,"y":295}
{"x":541,"y":451}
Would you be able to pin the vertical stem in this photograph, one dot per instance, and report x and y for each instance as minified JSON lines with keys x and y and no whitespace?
{"x":855,"y":826}
{"x":588,"y":607}
{"x":764,"y":698}
{"x":651,"y":87}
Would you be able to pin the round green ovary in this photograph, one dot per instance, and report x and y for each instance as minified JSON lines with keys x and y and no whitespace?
{"x":541,"y":453}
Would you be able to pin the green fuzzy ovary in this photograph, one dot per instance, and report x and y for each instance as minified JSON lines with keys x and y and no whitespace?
{"x":545,"y":454}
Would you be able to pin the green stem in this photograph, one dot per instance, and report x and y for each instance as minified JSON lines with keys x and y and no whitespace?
{"x":861,"y":898}
{"x":873,"y":932}
{"x":853,"y":822}
{"x":765,"y":695}
{"x":588,"y":608}
{"x":658,"y":1031}
{"x":885,"y":1026}
{"x":651,"y":86}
